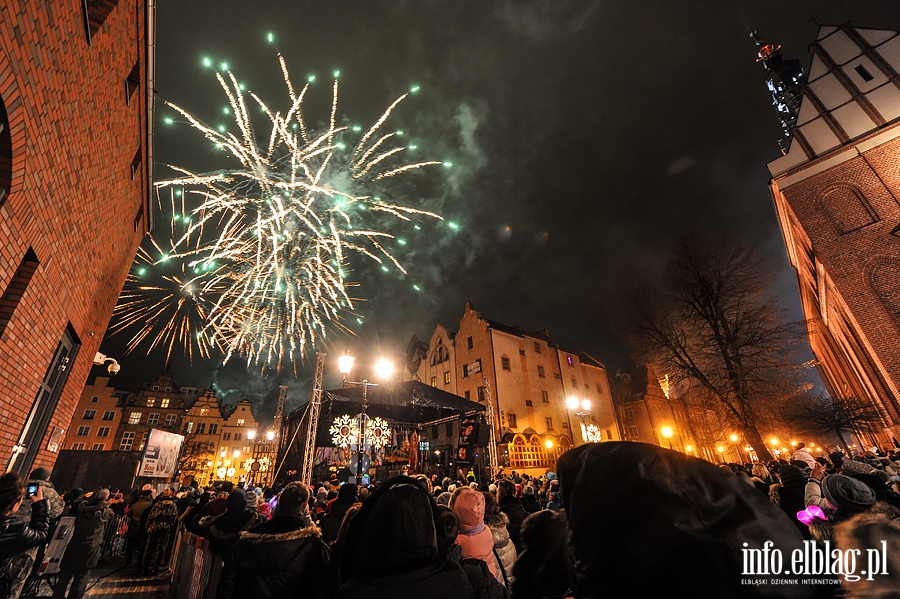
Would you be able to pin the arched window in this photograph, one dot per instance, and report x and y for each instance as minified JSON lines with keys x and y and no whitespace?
{"x":848,"y":208}
{"x":886,"y":281}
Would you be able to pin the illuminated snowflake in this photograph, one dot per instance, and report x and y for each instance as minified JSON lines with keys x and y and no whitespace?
{"x":592,"y":434}
{"x":378,"y":433}
{"x":344,"y":431}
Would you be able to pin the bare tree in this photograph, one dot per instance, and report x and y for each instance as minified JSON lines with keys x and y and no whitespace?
{"x":715,"y":328}
{"x":822,"y":414}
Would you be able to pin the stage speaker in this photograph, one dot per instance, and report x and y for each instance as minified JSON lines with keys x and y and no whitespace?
{"x":482,"y":435}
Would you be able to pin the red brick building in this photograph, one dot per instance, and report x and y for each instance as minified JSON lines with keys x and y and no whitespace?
{"x":837,"y":196}
{"x":76,"y":82}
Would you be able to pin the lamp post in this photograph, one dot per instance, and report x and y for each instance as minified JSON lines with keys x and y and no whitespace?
{"x":383,"y":369}
{"x":572,"y":403}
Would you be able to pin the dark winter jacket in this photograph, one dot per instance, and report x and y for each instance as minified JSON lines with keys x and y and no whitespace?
{"x":17,"y":537}
{"x":484,"y":584}
{"x":671,"y":525}
{"x":440,"y":580}
{"x":83,"y":550}
{"x":530,"y":504}
{"x":284,"y":557}
{"x":136,"y":513}
{"x":512,"y":507}
{"x":224,"y":531}
{"x":391,"y":548}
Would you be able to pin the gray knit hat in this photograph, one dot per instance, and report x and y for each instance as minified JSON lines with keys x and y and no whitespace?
{"x":846,"y":494}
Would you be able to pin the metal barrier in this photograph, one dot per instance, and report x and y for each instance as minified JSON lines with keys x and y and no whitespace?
{"x":195,"y":569}
{"x":115,"y":534}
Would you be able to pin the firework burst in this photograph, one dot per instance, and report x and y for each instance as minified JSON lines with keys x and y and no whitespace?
{"x":269,"y":238}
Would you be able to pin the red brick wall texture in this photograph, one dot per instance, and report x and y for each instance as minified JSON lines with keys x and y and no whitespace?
{"x":851,"y":213}
{"x":75,"y":133}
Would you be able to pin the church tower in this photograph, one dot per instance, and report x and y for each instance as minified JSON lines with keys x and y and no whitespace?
{"x":837,"y":196}
{"x":785,"y":79}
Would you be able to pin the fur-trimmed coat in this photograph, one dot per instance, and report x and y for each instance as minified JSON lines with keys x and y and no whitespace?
{"x":284,"y":557}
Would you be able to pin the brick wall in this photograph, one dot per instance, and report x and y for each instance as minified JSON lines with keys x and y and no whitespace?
{"x":853,"y":249}
{"x":73,"y":198}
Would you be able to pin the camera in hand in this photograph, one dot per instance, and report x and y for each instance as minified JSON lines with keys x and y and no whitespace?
{"x":32,"y":489}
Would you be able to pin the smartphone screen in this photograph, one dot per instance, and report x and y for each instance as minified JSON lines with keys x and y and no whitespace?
{"x":32,"y":489}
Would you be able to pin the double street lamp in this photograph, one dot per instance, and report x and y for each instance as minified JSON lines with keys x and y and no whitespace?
{"x":572,"y":403}
{"x":383,"y":369}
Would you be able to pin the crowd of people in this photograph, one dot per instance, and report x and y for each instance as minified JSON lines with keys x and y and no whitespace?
{"x":615,"y":519}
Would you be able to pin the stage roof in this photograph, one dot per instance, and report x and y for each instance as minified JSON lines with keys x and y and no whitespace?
{"x":409,"y":402}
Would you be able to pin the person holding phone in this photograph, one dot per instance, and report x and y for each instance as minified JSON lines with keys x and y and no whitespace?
{"x":23,"y":569}
{"x":17,"y":537}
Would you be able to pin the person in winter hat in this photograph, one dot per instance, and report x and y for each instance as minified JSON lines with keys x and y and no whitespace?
{"x":645,"y":521}
{"x":83,"y":551}
{"x":474,"y":536}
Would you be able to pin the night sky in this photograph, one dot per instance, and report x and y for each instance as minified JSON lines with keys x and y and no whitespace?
{"x":587,"y":139}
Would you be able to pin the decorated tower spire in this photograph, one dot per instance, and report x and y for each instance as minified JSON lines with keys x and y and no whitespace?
{"x":785,"y":80}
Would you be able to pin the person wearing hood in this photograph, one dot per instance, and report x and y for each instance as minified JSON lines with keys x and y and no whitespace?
{"x":284,"y":557}
{"x":392,"y":548}
{"x":646,"y":521}
{"x":92,"y":512}
{"x":136,"y":537}
{"x":240,"y":514}
{"x":16,"y":536}
{"x":475,"y":537}
{"x":484,"y":584}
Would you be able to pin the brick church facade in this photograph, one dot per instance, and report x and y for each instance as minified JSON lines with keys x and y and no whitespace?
{"x":837,"y":196}
{"x":76,"y":80}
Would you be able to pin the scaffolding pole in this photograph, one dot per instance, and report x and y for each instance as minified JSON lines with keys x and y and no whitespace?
{"x":493,"y":459}
{"x":312,"y":419}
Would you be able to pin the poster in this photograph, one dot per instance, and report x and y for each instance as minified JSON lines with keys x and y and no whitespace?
{"x":468,"y":433}
{"x":161,"y":454}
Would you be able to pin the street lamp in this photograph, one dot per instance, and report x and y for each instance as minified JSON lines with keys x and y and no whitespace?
{"x":383,"y":369}
{"x":270,"y":435}
{"x":734,"y":439}
{"x":251,"y":435}
{"x":667,"y":432}
{"x":721,"y":451}
{"x":572,"y":403}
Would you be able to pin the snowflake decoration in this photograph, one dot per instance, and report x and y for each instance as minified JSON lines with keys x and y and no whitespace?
{"x":221,"y":472}
{"x":592,"y":433}
{"x":378,"y":434}
{"x":344,"y":431}
{"x":264,"y":464}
